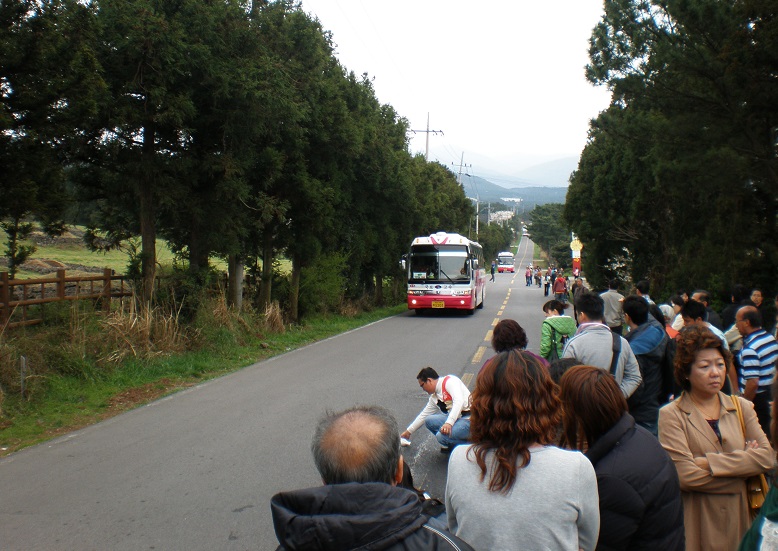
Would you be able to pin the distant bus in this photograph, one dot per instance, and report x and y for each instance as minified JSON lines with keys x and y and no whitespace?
{"x":445,"y":271}
{"x":505,"y":262}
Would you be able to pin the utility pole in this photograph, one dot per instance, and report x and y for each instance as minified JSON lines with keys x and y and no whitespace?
{"x":428,"y":132}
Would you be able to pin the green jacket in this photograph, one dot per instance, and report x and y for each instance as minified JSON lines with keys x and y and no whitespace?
{"x":763,"y":534}
{"x":562,"y":326}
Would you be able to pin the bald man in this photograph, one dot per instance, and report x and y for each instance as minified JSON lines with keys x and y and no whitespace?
{"x":757,"y":362}
{"x":360,"y":506}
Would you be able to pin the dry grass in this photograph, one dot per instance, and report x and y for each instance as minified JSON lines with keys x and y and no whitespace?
{"x":273,"y":319}
{"x":142,"y":332}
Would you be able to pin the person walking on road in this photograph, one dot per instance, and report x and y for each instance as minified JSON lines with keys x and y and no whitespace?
{"x":494,"y":268}
{"x":613,"y":314}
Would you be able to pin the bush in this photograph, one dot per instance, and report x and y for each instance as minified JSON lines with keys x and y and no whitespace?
{"x":322,"y":285}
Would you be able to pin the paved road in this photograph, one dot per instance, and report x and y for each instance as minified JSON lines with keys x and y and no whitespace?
{"x":196,"y":470}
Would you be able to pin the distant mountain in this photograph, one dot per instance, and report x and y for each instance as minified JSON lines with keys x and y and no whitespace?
{"x":487,"y":192}
{"x":552,"y":173}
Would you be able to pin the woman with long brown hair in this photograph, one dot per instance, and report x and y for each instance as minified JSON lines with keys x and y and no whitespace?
{"x":701,"y":431}
{"x":512,"y":489}
{"x":640,"y":499}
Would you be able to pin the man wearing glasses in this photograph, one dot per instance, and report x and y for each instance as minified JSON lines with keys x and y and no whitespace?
{"x":447,"y":413}
{"x":757,"y":361}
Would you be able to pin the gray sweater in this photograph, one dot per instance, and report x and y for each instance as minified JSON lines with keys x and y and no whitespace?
{"x":592,"y":344}
{"x":553,"y":504}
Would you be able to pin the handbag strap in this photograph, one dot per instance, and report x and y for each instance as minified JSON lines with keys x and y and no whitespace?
{"x":616,"y":352}
{"x":739,"y":409}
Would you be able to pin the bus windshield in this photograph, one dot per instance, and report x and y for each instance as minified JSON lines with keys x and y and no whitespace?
{"x":439,"y":263}
{"x":505,"y":258}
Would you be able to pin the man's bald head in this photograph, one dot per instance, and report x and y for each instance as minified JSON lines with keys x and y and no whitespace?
{"x":361,"y":444}
{"x":748,"y":319}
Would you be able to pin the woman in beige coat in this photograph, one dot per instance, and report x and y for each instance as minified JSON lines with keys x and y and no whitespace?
{"x":701,"y":432}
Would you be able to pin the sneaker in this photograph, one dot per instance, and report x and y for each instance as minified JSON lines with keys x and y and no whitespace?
{"x":405,"y":442}
{"x":445,"y":449}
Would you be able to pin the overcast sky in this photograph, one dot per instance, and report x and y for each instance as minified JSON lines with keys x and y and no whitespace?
{"x":504,"y":80}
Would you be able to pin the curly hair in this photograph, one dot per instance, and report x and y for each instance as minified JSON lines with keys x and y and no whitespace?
{"x":508,"y":334}
{"x":515,"y":404}
{"x":592,"y":403}
{"x":689,"y":341}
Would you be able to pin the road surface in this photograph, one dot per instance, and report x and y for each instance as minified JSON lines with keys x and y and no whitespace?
{"x":196,"y":470}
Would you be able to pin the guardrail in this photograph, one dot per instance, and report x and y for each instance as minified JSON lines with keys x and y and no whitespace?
{"x":18,"y":295}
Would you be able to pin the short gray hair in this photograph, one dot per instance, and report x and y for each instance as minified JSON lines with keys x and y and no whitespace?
{"x":360,"y":444}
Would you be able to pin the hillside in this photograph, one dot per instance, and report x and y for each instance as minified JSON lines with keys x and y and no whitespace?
{"x":487,"y":191}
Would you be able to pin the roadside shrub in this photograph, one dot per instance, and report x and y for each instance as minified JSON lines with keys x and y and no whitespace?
{"x":322,"y":285}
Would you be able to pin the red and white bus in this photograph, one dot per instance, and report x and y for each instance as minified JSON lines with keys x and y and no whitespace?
{"x":445,"y":271}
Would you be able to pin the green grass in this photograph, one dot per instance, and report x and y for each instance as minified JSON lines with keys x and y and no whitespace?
{"x":71,"y":402}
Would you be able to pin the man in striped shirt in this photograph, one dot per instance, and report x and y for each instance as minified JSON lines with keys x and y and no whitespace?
{"x":757,"y":359}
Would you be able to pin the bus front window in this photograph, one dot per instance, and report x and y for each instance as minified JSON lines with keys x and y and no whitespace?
{"x":424,"y":267}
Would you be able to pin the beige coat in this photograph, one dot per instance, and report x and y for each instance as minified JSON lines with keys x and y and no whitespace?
{"x":714,"y":502}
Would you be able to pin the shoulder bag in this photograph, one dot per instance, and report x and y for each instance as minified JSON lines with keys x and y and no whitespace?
{"x":756,"y":486}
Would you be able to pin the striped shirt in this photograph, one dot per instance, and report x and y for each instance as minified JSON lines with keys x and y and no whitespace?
{"x":757,"y":359}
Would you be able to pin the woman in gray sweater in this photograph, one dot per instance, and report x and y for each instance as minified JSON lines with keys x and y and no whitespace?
{"x":511,"y":489}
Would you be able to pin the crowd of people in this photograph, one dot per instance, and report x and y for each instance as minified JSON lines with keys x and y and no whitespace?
{"x":637,"y":427}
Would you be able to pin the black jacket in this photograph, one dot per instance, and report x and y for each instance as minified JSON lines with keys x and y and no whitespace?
{"x":649,"y":343}
{"x":369,"y":516}
{"x":640,"y":496}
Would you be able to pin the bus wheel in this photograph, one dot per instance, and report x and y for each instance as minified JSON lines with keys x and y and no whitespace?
{"x":481,"y":304}
{"x":420,"y":311}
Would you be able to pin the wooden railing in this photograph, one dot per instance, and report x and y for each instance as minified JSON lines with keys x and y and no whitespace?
{"x":18,"y":295}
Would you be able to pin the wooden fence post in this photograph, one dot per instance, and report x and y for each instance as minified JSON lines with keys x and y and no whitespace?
{"x":61,"y":284}
{"x":107,"y":290}
{"x":5,"y":298}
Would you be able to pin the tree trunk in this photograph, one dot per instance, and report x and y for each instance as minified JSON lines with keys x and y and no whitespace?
{"x":198,"y":255}
{"x":148,"y":224}
{"x":235,"y":285}
{"x":267,"y":271}
{"x":294,"y":290}
{"x":379,"y":290}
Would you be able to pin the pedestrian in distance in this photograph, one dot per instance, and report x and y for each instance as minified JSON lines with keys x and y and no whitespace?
{"x":494,"y":268}
{"x":613,"y":314}
{"x":559,"y":287}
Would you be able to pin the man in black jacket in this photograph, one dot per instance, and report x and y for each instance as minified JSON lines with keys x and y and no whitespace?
{"x":648,"y":341}
{"x":357,"y":454}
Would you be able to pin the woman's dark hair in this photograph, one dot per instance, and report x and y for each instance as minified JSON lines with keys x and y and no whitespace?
{"x":557,"y":305}
{"x":677,"y":300}
{"x":515,"y":404}
{"x":592,"y":403}
{"x":508,"y":334}
{"x":689,"y":341}
{"x":559,"y":367}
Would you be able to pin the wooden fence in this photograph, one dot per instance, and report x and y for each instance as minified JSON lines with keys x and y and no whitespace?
{"x":18,"y":295}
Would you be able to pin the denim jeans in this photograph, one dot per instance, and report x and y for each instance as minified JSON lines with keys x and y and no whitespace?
{"x":460,"y":432}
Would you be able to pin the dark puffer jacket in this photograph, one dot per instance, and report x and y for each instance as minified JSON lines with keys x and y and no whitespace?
{"x":640,"y":496}
{"x":371,"y":516}
{"x":648,"y":342}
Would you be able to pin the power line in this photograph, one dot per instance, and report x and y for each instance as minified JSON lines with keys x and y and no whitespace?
{"x":428,"y":132}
